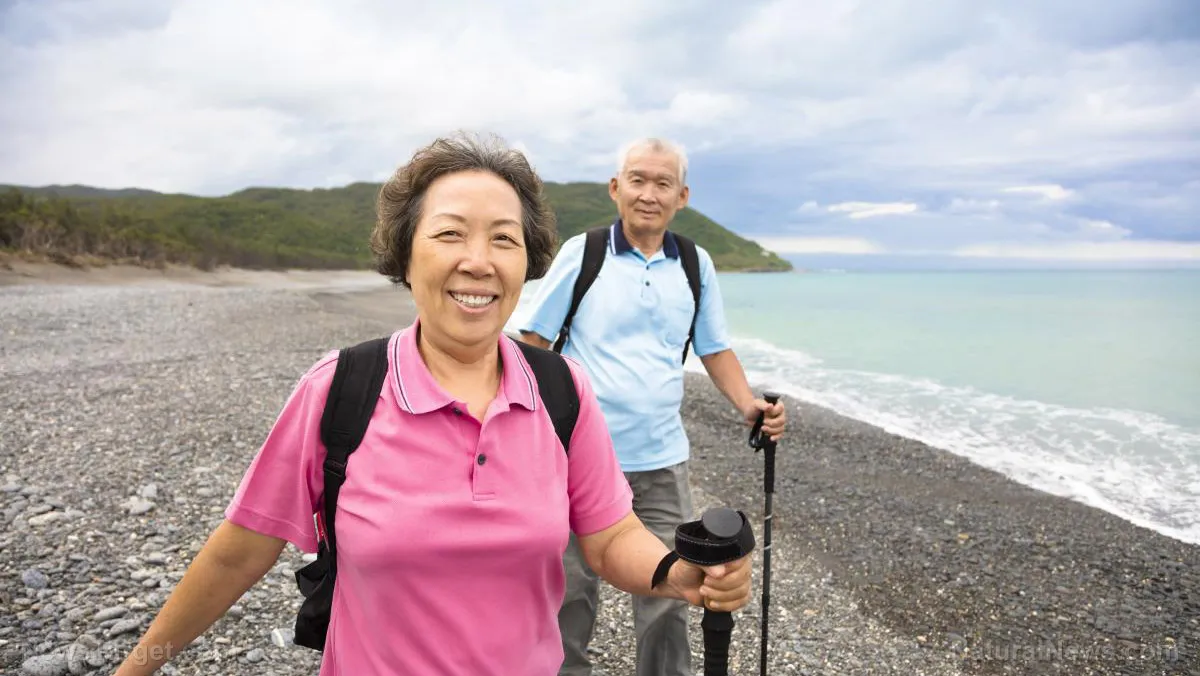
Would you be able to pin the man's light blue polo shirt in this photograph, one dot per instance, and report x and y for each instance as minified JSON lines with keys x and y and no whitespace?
{"x":629,"y":334}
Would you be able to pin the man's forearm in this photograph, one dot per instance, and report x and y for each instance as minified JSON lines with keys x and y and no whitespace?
{"x":727,"y":374}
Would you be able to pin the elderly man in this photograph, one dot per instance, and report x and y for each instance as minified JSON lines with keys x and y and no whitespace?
{"x":631,"y":331}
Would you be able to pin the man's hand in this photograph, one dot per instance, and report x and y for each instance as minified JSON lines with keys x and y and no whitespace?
{"x":725,"y":587}
{"x":774,"y":418}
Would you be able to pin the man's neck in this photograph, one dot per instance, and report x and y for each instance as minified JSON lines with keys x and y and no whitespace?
{"x":648,"y":243}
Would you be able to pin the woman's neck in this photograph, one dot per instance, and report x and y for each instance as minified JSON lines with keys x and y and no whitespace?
{"x":462,"y":370}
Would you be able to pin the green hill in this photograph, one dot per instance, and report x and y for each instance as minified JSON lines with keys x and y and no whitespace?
{"x":275,"y":227}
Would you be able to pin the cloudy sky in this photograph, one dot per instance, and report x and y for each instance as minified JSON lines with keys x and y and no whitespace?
{"x":1019,"y":130}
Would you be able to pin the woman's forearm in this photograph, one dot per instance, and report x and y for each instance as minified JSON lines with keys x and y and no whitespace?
{"x":228,"y":565}
{"x":627,"y":560}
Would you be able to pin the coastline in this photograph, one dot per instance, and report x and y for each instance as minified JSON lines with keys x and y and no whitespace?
{"x":890,"y":556}
{"x":956,"y":556}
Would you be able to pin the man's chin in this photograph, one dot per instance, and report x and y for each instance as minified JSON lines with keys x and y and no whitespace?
{"x":650,"y":223}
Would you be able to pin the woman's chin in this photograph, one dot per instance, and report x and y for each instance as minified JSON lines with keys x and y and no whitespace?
{"x":476,"y":330}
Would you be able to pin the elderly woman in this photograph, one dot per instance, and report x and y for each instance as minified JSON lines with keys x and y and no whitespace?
{"x":446,"y":564}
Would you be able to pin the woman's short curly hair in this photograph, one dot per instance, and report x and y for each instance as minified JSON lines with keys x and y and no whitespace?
{"x":399,"y":206}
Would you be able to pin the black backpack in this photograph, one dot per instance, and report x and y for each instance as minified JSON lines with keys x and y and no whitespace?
{"x":593,"y":260}
{"x":357,"y":381}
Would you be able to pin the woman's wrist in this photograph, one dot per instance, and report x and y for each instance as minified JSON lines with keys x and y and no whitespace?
{"x":662,"y":572}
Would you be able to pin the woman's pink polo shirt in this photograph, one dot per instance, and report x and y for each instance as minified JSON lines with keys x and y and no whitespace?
{"x":450,"y":531}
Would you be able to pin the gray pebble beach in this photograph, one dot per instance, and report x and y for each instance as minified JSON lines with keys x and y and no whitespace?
{"x":131,"y":411}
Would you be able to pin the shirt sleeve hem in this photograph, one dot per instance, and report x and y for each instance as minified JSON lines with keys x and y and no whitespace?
{"x":714,"y":347}
{"x":604,"y":517}
{"x":266,"y":525}
{"x":540,"y":329}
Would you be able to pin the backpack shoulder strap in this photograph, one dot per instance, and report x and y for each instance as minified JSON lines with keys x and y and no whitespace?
{"x":357,"y":381}
{"x":589,"y":269}
{"x":691,"y":267}
{"x":556,"y":387}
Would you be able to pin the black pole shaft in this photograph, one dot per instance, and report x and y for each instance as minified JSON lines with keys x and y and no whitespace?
{"x":768,"y":448}
{"x":766,"y":593}
{"x":769,"y":480}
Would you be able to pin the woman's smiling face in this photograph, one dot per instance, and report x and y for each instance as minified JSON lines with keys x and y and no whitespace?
{"x":468,"y":259}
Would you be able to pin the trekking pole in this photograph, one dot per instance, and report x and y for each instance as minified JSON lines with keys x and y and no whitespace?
{"x":720,"y":536}
{"x":759,"y":441}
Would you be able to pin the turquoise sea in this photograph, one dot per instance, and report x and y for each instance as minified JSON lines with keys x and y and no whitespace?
{"x":1080,"y":383}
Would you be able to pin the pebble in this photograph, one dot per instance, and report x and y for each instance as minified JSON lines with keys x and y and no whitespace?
{"x":35,"y":579}
{"x":46,"y":665}
{"x":138,"y":506}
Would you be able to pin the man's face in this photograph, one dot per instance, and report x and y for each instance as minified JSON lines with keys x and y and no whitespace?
{"x":648,"y":191}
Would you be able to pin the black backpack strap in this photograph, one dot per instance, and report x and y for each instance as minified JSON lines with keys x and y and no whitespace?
{"x":691,"y":267}
{"x":357,"y":381}
{"x":556,"y":387}
{"x":593,"y":260}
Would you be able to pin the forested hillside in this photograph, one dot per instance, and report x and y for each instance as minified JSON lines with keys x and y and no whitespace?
{"x":273,"y":227}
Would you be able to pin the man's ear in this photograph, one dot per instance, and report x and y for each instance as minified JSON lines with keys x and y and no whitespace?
{"x":683,"y":197}
{"x":612,"y":188}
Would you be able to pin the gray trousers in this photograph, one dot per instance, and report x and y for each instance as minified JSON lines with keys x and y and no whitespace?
{"x":662,"y":499}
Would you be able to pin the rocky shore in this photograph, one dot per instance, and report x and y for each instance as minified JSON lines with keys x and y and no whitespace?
{"x":131,"y":411}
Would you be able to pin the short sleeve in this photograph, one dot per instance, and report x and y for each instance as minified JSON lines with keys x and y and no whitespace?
{"x":281,"y":490}
{"x":712,"y":334}
{"x":599,"y":493}
{"x":549,"y":306}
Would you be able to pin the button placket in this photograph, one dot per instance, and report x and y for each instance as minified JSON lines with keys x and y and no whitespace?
{"x":481,"y":475}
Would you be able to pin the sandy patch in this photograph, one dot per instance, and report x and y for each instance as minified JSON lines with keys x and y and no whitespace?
{"x":17,"y":272}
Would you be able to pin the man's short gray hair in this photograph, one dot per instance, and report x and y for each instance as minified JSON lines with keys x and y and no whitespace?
{"x":659,"y":145}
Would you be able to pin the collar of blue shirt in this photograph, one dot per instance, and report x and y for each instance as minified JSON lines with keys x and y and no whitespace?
{"x":619,"y":244}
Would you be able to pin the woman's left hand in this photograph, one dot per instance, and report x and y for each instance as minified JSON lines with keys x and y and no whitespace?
{"x":724,"y":587}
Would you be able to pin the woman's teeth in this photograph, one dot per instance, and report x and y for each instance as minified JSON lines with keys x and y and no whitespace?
{"x":472,"y":301}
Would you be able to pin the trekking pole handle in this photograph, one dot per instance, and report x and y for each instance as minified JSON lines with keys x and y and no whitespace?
{"x":719,"y":536}
{"x":759,"y":441}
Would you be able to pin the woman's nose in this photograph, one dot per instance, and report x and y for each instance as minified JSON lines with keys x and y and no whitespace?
{"x":477,"y":258}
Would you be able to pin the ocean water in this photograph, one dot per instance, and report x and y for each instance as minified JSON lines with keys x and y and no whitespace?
{"x":1084,"y":384}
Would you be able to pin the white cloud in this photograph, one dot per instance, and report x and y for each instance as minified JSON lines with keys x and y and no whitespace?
{"x":962,"y":205}
{"x":810,"y":245}
{"x":1095,"y":229}
{"x":870,"y":209}
{"x":1087,"y":251}
{"x":1049,"y":192}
